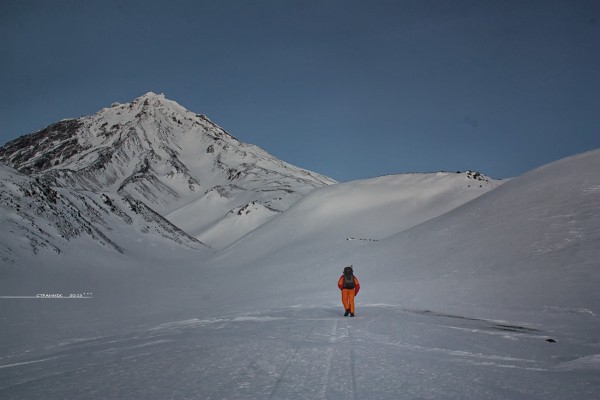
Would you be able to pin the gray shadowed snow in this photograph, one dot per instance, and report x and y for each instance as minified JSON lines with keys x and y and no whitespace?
{"x":386,"y":352}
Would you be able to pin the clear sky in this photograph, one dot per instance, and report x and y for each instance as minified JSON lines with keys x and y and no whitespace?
{"x":349,"y":89}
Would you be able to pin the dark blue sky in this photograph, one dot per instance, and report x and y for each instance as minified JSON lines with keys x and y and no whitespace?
{"x":350,"y":89}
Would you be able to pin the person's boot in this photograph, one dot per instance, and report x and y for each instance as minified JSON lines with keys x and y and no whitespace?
{"x":352,"y":314}
{"x":346,"y":313}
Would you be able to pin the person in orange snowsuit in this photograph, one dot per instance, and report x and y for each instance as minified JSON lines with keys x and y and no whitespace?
{"x":349,"y":286}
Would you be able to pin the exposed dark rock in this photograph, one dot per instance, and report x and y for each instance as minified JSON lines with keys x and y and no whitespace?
{"x":43,"y":149}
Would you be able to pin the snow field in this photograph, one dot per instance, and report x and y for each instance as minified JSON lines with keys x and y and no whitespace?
{"x":386,"y":352}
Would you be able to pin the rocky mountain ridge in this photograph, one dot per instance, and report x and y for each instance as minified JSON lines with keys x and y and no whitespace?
{"x":178,"y":163}
{"x":36,"y":215}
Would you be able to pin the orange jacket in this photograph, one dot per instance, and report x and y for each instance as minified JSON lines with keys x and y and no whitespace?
{"x":356,"y":284}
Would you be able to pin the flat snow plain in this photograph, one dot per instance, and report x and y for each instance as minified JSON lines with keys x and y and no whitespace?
{"x":386,"y":352}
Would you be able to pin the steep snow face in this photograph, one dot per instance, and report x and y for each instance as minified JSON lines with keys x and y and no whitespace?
{"x":178,"y":163}
{"x":37,"y":217}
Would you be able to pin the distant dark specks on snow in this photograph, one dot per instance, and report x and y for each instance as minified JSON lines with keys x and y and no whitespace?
{"x":476,"y":176}
{"x":362,"y":239}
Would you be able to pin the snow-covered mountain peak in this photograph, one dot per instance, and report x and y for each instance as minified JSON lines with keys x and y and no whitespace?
{"x":151,"y":99}
{"x":158,"y":152}
{"x":151,"y":95}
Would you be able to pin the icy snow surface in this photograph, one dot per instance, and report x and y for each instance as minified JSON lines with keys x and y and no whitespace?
{"x":387,"y":352}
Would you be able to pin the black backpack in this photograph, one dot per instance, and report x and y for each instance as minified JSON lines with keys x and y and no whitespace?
{"x":348,"y":278}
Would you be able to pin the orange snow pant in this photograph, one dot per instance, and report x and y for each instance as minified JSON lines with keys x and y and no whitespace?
{"x":348,"y":299}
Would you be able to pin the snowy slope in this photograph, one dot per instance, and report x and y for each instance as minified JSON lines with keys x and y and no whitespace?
{"x":178,"y":163}
{"x":533,"y":243}
{"x":367,"y":210}
{"x":39,"y":218}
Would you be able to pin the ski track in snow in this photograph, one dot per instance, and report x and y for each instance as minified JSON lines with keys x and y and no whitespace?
{"x":311,"y":353}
